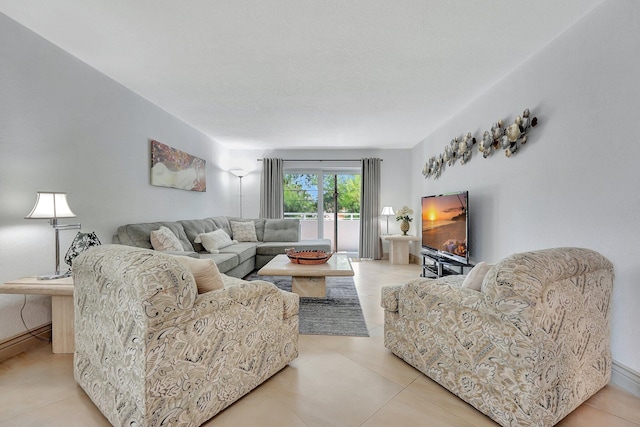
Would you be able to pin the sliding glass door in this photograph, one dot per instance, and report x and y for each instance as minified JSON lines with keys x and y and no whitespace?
{"x":327,"y":204}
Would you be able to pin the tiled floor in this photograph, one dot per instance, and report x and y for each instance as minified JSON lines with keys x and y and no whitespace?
{"x":336,"y":381}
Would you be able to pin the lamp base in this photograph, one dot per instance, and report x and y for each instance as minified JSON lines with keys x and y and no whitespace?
{"x":57,"y":275}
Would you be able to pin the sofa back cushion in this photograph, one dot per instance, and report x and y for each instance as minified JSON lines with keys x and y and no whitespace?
{"x":282,"y":230}
{"x":139,"y":235}
{"x":223,"y":223}
{"x":194,"y":227}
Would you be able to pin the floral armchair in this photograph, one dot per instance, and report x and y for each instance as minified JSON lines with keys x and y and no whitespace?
{"x":527,"y":349}
{"x":151,"y":351}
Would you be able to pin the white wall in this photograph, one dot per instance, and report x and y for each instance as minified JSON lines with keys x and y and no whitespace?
{"x":66,"y":127}
{"x":576,"y":182}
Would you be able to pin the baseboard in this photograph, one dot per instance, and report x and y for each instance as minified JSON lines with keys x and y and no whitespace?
{"x":625,"y":378}
{"x":23,"y":342}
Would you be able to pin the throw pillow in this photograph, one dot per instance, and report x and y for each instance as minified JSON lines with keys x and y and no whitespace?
{"x":163,"y":239}
{"x":205,"y":271}
{"x":244,"y":231}
{"x":476,"y":276}
{"x":214,"y":240}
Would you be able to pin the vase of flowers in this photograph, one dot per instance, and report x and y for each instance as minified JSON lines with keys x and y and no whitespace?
{"x":403,"y":215}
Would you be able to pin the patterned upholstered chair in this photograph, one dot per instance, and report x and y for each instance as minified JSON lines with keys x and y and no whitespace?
{"x":151,"y":351}
{"x":527,"y":349}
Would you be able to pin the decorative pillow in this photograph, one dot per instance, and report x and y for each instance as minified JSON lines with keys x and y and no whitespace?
{"x":214,"y":240}
{"x":244,"y":231}
{"x":205,"y":271}
{"x":163,"y":239}
{"x":476,"y":276}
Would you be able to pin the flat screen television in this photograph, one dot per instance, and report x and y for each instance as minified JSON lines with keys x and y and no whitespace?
{"x":445,"y":225}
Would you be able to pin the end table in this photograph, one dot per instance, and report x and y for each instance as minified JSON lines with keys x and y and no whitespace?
{"x":399,"y":248}
{"x":62,"y":316}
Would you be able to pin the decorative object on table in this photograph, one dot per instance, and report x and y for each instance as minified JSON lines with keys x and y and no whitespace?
{"x":312,"y":257}
{"x":403,"y":215}
{"x":508,"y":138}
{"x":176,"y":169}
{"x":387,"y":211}
{"x":81,"y":243}
{"x":52,"y":206}
{"x":240,"y":173}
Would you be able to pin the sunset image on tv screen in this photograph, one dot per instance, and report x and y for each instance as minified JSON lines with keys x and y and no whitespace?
{"x":444,"y":223}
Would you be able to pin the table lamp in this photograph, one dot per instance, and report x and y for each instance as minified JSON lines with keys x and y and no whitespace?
{"x":51,"y":206}
{"x":387,"y":211}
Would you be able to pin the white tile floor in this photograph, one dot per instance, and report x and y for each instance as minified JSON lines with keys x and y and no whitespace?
{"x":336,"y":381}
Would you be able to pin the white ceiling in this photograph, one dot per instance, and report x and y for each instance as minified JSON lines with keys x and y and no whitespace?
{"x":271,"y":74}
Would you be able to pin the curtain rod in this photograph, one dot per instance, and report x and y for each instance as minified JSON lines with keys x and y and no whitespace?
{"x":320,"y":160}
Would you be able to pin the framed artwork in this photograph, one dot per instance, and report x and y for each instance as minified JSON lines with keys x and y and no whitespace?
{"x":173,"y":168}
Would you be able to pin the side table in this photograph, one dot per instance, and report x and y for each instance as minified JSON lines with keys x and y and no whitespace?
{"x":399,"y":248}
{"x":62,"y":316}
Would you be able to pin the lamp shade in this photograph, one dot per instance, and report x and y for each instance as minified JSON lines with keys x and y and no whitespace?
{"x":239,"y":172}
{"x":51,"y":205}
{"x":387,"y":210}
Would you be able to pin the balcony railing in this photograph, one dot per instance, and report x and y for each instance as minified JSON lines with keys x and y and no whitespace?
{"x":348,"y":228}
{"x":342,"y":216}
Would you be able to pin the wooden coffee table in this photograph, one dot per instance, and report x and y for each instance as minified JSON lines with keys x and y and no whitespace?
{"x":308,"y":280}
{"x":61,"y":291}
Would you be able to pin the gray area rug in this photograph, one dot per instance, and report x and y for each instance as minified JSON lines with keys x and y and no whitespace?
{"x":337,"y":314}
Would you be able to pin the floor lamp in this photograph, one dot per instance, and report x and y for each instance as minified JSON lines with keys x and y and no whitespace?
{"x":240,"y":173}
{"x":387,"y":211}
{"x":51,"y":206}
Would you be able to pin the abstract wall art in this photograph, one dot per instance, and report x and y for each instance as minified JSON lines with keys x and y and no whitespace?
{"x":173,"y":168}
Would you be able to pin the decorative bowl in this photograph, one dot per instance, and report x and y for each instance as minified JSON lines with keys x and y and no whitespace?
{"x":313,"y":257}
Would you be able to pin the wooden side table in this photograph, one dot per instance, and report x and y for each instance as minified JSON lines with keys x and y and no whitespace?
{"x":62,"y":316}
{"x":399,"y":248}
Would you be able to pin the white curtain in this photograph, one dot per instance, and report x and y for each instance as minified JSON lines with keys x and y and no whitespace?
{"x":370,"y":245}
{"x":272,"y":189}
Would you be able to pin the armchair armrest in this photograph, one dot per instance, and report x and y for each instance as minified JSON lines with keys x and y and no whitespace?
{"x":390,"y":294}
{"x":247,"y":294}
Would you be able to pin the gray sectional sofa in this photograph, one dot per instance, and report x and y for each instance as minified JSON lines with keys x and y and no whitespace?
{"x":238,"y":260}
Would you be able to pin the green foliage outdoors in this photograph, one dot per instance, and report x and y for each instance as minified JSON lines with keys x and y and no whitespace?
{"x":301,"y":193}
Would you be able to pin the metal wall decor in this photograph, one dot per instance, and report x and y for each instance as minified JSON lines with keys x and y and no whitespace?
{"x":457,"y":149}
{"x":509,"y":139}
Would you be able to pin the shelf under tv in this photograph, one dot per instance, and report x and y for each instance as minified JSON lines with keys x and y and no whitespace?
{"x":437,"y":265}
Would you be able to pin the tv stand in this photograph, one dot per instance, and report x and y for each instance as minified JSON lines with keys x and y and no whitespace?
{"x":439,"y":266}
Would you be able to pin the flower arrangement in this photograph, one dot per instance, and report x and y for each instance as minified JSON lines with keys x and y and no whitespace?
{"x":403,"y":214}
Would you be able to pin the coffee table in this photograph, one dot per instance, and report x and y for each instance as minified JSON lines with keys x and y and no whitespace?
{"x":308,"y":280}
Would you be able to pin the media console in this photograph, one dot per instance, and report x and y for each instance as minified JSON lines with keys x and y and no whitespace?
{"x":438,"y":266}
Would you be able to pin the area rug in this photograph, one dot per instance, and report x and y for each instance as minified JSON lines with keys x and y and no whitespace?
{"x":337,"y":314}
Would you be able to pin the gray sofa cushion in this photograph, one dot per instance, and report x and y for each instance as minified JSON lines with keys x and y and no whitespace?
{"x":224,"y":262}
{"x":194,"y":227}
{"x":222,"y":222}
{"x":139,"y":234}
{"x":244,"y":250}
{"x":281,"y":230}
